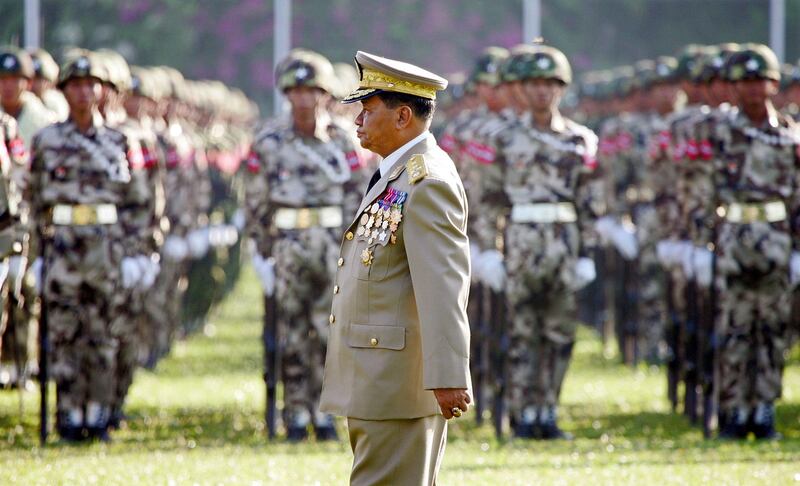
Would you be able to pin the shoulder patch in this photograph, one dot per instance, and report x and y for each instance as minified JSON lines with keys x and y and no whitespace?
{"x":417,"y":168}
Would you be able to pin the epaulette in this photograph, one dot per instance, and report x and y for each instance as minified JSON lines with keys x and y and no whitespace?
{"x":417,"y":168}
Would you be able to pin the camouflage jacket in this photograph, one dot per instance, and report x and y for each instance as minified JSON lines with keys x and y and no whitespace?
{"x":546,"y":166}
{"x":71,"y":168}
{"x":288,"y":170}
{"x":12,"y":157}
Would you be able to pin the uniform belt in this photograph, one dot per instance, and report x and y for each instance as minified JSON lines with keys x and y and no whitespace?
{"x":83,"y":214}
{"x":302,"y":218}
{"x":767,"y":212}
{"x":562,"y":212}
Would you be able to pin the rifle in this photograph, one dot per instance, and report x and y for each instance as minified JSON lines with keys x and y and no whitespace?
{"x":271,"y":361}
{"x":500,"y":346}
{"x":479,"y":362}
{"x":44,"y":343}
{"x":673,"y":338}
{"x":691,"y":362}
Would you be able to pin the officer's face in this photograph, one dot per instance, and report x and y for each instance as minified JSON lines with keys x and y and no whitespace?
{"x":543,"y":94}
{"x":377,"y":125}
{"x":82,"y":94}
{"x":12,"y":87}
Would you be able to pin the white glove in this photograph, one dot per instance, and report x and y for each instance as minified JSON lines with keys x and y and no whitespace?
{"x":175,"y":248}
{"x":35,"y":271}
{"x":265,"y":269}
{"x":150,"y":269}
{"x":623,"y":239}
{"x":703,"y":263}
{"x":131,"y":270}
{"x":794,"y":268}
{"x":684,"y":252}
{"x":3,"y":271}
{"x":16,"y":267}
{"x":238,"y":219}
{"x":665,"y":252}
{"x":198,"y":242}
{"x":491,"y":270}
{"x":474,"y":262}
{"x":585,"y":272}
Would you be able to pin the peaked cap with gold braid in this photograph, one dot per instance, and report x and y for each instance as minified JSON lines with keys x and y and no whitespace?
{"x":377,"y":74}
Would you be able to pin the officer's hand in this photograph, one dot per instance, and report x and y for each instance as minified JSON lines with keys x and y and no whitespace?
{"x":449,"y":398}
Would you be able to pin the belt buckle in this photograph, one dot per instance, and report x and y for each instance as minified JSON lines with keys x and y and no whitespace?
{"x":83,"y":215}
{"x":303,"y":218}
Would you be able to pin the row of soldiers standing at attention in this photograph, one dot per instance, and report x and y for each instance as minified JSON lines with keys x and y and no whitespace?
{"x":107,"y":185}
{"x":690,"y":195}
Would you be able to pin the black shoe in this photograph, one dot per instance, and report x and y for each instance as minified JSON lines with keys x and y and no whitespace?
{"x":550,"y":431}
{"x":71,"y":434}
{"x":326,"y":433}
{"x":762,"y":422}
{"x":99,"y":433}
{"x":528,"y":430}
{"x":296,"y":434}
{"x":730,"y":428}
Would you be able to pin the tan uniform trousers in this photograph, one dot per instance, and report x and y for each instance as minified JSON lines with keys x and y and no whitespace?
{"x":405,"y":452}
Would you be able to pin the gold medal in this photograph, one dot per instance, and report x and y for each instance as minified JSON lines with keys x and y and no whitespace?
{"x":396,"y":216}
{"x":374,"y":209}
{"x":374,"y":234}
{"x":393,"y":239}
{"x":385,"y":224}
{"x":360,"y":231}
{"x":393,"y":227}
{"x":364,"y":219}
{"x":366,"y":257}
{"x":370,"y":222}
{"x":382,"y":236}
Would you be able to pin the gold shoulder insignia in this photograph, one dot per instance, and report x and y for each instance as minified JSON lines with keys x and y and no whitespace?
{"x":417,"y":169}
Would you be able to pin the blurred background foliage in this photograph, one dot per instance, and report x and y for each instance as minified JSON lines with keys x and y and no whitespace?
{"x":231,"y":40}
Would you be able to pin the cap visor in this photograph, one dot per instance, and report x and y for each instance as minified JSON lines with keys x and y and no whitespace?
{"x":360,"y":94}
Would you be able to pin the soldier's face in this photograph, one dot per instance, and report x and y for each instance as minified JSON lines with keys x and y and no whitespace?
{"x":306,"y":100}
{"x":543,"y":94}
{"x":82,"y":94}
{"x":754,"y":92}
{"x":12,"y":87}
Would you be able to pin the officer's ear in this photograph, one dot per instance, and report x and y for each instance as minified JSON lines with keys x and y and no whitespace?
{"x":404,"y":116}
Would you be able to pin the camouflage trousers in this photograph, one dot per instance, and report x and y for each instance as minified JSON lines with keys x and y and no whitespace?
{"x":84,"y":323}
{"x":651,"y":301}
{"x":305,"y":261}
{"x":129,"y":344}
{"x":541,"y":301}
{"x":162,"y":309}
{"x":755,"y":306}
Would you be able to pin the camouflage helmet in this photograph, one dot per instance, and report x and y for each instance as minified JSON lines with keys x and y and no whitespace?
{"x":644,"y":75}
{"x":306,"y":68}
{"x":622,"y":81}
{"x":714,"y":62}
{"x":44,"y":66}
{"x":80,"y":63}
{"x":118,"y":73}
{"x":790,"y":75}
{"x":16,"y":62}
{"x":540,"y":61}
{"x":145,"y":83}
{"x":754,"y":61}
{"x":687,"y":60}
{"x":487,"y":66}
{"x":665,"y":69}
{"x":347,"y":77}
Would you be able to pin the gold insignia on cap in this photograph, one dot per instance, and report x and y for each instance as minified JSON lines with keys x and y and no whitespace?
{"x":417,"y":169}
{"x":378,"y":80}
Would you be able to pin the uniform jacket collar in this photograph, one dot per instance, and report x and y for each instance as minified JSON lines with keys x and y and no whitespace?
{"x":397,"y":168}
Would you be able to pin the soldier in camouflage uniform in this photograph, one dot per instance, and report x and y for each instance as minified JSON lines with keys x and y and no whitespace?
{"x":755,"y":178}
{"x":43,"y":85}
{"x":12,"y":244}
{"x":16,"y":71}
{"x":551,"y":197}
{"x":305,"y":180}
{"x":82,"y":195}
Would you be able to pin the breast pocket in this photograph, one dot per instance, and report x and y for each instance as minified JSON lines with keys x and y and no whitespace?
{"x":374,"y":259}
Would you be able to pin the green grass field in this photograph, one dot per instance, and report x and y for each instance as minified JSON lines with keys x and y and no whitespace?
{"x":199,"y":420}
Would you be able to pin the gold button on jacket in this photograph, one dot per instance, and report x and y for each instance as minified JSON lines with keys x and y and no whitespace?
{"x":402,"y":326}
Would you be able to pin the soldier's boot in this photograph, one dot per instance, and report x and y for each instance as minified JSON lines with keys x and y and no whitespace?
{"x":297,"y":430}
{"x":69,"y":425}
{"x":8,"y":375}
{"x":548,"y":423}
{"x":733,"y":424}
{"x":97,"y":420}
{"x":527,"y":426}
{"x":117,"y":417}
{"x":324,"y":428}
{"x":763,"y":422}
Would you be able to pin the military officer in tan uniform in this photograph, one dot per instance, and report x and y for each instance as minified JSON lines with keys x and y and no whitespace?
{"x":397,"y":364}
